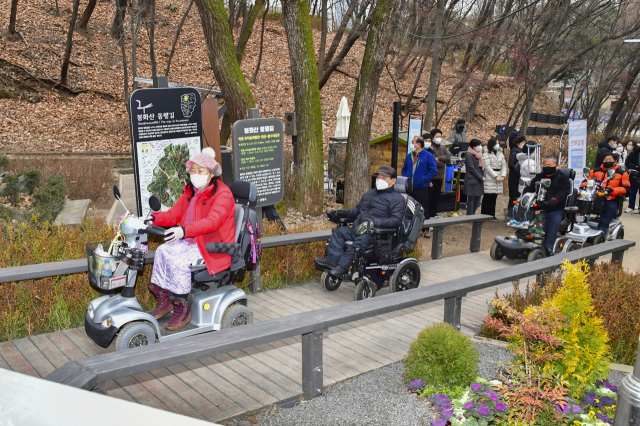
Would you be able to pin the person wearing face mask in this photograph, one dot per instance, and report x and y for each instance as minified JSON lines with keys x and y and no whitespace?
{"x":618,"y":185}
{"x":379,"y":207}
{"x":554,"y":201}
{"x":495,"y":172}
{"x":443,"y":158}
{"x":514,"y":170}
{"x":606,"y":146}
{"x":526,"y":163}
{"x":458,"y":136}
{"x":632,"y":163}
{"x":475,"y":176}
{"x":420,"y":165}
{"x":622,"y":155}
{"x":203,"y":214}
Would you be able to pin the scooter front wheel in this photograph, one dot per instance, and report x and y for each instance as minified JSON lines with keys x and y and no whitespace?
{"x":237,"y":315}
{"x":496,"y":252}
{"x":536,"y":254}
{"x":134,"y":335}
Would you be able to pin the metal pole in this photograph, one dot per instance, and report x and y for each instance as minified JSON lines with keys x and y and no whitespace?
{"x":396,"y":131}
{"x":294,"y":142}
{"x":628,"y":407}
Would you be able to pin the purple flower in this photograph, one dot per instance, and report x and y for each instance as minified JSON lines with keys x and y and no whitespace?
{"x":475,"y":387}
{"x":576,"y":409}
{"x":446,"y":407}
{"x":562,"y":407}
{"x":606,"y":401}
{"x":468,"y":406}
{"x":604,"y":418}
{"x":440,"y":398}
{"x":500,"y":406}
{"x":484,"y":411}
{"x":606,"y":384}
{"x":438,"y":422}
{"x":611,"y":387}
{"x":416,"y":384}
{"x":589,"y":399}
{"x":493,"y":397}
{"x":446,"y":416}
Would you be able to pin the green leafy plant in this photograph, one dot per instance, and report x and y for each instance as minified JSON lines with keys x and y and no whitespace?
{"x":49,"y":199}
{"x":4,"y":163}
{"x":11,"y":188}
{"x":442,"y":357}
{"x":32,"y":179}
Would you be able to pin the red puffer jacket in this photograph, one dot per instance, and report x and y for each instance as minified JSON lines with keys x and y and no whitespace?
{"x":212,"y":222}
{"x":619,"y":183}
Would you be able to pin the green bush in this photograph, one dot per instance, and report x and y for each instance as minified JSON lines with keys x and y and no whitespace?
{"x":592,"y":153}
{"x":442,"y":357}
{"x":32,"y":180}
{"x":49,"y":199}
{"x":4,"y":163}
{"x":11,"y":189}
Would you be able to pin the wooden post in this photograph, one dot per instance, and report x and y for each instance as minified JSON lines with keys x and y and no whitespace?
{"x":211,"y":126}
{"x":617,"y":256}
{"x":476,"y":233}
{"x":540,"y":279}
{"x":256,"y":276}
{"x":312,"y":373}
{"x":453,"y":310}
{"x":436,"y":244}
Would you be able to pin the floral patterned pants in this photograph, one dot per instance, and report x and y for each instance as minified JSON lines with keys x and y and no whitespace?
{"x":171,"y":266}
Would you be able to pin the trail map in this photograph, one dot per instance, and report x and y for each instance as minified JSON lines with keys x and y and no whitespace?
{"x":162,"y":171}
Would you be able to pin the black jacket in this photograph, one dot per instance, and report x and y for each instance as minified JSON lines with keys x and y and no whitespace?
{"x":513,"y":160}
{"x":603,"y":150}
{"x":559,"y":189}
{"x":386,"y":207}
{"x":633,"y":160}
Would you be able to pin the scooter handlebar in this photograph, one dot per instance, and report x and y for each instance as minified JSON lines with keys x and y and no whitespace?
{"x":152,"y":230}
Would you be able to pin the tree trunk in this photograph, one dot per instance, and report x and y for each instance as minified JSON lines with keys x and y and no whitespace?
{"x":152,"y":38}
{"x":12,"y":17}
{"x":67,"y":50}
{"x":264,"y":17}
{"x":323,"y":38}
{"x":304,"y":73}
{"x":435,"y":63}
{"x":175,"y":40}
{"x":357,"y":175}
{"x":134,"y":45}
{"x":247,"y":29}
{"x":232,"y":16}
{"x":222,"y":57}
{"x":86,"y":15}
{"x":624,"y":95}
{"x":543,"y":67}
{"x":341,"y":29}
{"x":118,"y":19}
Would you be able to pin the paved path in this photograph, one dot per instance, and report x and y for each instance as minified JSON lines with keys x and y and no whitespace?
{"x":222,"y":386}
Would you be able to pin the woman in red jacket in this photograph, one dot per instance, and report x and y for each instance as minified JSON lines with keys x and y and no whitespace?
{"x":203,"y":214}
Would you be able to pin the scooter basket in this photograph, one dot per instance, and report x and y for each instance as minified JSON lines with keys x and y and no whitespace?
{"x":95,"y":264}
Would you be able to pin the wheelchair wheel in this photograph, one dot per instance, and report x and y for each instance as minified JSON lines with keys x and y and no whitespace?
{"x":365,"y":290}
{"x":573,"y":246}
{"x":406,"y":277}
{"x":620,"y":235}
{"x":329,"y":282}
{"x":496,"y":253}
{"x":536,"y":254}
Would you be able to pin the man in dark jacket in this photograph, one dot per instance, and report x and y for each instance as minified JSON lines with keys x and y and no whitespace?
{"x":443,"y":158}
{"x":420,"y":165}
{"x":554,"y":201}
{"x":514,"y":174}
{"x":607,"y":146}
{"x":381,"y":207}
{"x":633,"y":163}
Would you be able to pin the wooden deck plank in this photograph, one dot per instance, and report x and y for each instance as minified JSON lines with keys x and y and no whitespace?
{"x":141,"y":394}
{"x":82,"y":342}
{"x":111,"y":388}
{"x":268,"y":368}
{"x":169,"y":397}
{"x":16,"y":360}
{"x":3,"y":363}
{"x":66,"y":346}
{"x":34,"y":357}
{"x":49,"y":350}
{"x":280,"y":361}
{"x":188,"y":395}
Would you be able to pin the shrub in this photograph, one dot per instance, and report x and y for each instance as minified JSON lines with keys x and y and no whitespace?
{"x":442,"y":357}
{"x":586,"y":353}
{"x":32,"y":179}
{"x":49,"y":199}
{"x":11,"y":188}
{"x":4,"y":163}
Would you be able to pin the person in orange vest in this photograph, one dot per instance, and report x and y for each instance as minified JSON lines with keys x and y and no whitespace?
{"x":618,"y":185}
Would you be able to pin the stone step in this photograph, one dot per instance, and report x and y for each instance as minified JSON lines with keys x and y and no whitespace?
{"x":72,"y":213}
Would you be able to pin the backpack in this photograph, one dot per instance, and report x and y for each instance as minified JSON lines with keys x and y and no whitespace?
{"x":255,"y":249}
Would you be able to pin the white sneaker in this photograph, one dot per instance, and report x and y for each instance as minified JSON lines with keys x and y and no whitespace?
{"x":629,"y":210}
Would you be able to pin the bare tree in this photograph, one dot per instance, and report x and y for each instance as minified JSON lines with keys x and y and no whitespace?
{"x":175,"y":39}
{"x":64,"y":71}
{"x":12,"y":17}
{"x":117,"y":26}
{"x":264,"y":17}
{"x":86,"y":15}
{"x":247,"y":29}
{"x":152,"y":37}
{"x":435,"y":63}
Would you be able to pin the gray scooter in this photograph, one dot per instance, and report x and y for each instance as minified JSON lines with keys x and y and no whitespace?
{"x":218,"y":304}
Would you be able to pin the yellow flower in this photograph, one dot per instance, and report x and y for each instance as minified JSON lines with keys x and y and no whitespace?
{"x":597,"y":401}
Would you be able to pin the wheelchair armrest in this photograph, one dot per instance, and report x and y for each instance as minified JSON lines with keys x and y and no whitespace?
{"x":228,"y":248}
{"x":197,"y":268}
{"x":384,"y":231}
{"x":345,"y":220}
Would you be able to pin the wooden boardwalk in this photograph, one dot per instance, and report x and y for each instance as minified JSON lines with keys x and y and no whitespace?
{"x":222,"y":386}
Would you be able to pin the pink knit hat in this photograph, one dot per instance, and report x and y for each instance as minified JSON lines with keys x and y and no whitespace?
{"x":207,"y":159}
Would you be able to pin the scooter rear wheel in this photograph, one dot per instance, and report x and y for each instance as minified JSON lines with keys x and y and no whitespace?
{"x":620,"y":235}
{"x":536,"y":254}
{"x":573,"y":246}
{"x":134,"y":335}
{"x":496,"y":252}
{"x":599,"y":239}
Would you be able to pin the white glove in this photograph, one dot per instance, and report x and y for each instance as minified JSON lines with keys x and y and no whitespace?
{"x":172,"y":235}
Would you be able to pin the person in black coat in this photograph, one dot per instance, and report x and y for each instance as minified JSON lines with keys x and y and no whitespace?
{"x":514,"y":173}
{"x":606,"y":146}
{"x":554,"y":201}
{"x":633,"y":163}
{"x":474,"y":177}
{"x":381,"y":207}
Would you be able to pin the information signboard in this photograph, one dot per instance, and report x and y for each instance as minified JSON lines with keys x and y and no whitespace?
{"x":415,"y":127}
{"x":258,"y":157}
{"x":166,"y":130}
{"x":578,"y":147}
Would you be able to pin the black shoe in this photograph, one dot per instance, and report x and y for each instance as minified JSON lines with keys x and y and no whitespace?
{"x":550,"y":253}
{"x":324,"y":264}
{"x":338,"y":271}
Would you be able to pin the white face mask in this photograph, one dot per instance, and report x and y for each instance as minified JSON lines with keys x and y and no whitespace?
{"x":437,"y":141}
{"x":496,"y":148}
{"x":412,"y":147}
{"x":381,"y":184}
{"x":479,"y":148}
{"x":427,"y":145}
{"x":199,"y":181}
{"x":619,"y":149}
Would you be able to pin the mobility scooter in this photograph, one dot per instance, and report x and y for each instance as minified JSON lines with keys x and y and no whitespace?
{"x":528,"y":225}
{"x":218,"y":302}
{"x":368,"y":271}
{"x":591,"y":199}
